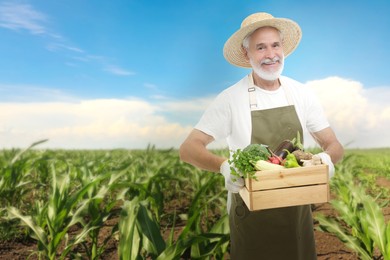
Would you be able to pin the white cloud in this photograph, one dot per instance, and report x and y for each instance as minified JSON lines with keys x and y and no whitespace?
{"x":27,"y":93}
{"x":360,"y":116}
{"x":118,"y":71}
{"x":56,"y":46}
{"x":104,"y":123}
{"x":357,"y":114}
{"x":16,"y":16}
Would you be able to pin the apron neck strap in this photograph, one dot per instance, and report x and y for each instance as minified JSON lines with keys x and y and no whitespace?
{"x":252,"y":93}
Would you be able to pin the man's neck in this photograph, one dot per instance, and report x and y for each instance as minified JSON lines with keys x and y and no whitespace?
{"x":265,"y":84}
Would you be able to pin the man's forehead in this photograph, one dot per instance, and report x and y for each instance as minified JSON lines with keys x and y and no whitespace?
{"x":264,"y":29}
{"x":259,"y":35}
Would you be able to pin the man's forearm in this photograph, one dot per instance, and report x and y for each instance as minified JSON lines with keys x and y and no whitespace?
{"x":197,"y":155}
{"x":326,"y":138}
{"x":335,"y":151}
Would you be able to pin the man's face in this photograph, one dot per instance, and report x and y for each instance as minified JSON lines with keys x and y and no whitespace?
{"x":265,"y":53}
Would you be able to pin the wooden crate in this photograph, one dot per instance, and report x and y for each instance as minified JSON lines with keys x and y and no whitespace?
{"x":287,"y":187}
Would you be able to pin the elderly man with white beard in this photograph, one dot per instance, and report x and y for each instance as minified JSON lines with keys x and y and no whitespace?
{"x":264,"y":108}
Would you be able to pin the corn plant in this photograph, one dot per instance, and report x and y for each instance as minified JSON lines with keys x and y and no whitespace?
{"x":16,"y":167}
{"x":129,"y":240}
{"x":83,"y":189}
{"x":371,"y":165}
{"x":138,"y":231}
{"x":197,"y":237}
{"x":140,"y":237}
{"x":63,"y":210}
{"x":101,"y":202}
{"x":212,"y":244}
{"x":360,"y":223}
{"x":155,"y":177}
{"x":18,"y":185}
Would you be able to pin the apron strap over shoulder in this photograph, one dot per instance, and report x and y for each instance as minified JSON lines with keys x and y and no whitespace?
{"x":252,"y":93}
{"x":252,"y":98}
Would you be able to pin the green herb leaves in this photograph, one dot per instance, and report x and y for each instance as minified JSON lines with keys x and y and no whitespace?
{"x":243,"y":161}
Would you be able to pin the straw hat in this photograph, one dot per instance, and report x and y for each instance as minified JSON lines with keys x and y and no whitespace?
{"x":233,"y":50}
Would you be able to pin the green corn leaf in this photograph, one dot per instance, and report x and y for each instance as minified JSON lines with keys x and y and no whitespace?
{"x":151,"y":230}
{"x":346,"y":213}
{"x":77,"y":215}
{"x":388,"y":241}
{"x":27,"y":220}
{"x":192,"y":222}
{"x":129,"y":241}
{"x":376,"y":223}
{"x":203,"y":247}
{"x":331,"y":226}
{"x":200,"y":195}
{"x":172,"y":232}
{"x":57,"y":238}
{"x":351,"y":215}
{"x":25,"y":150}
{"x":363,"y":232}
{"x":77,"y":240}
{"x":174,"y":251}
{"x":221,"y":226}
{"x":197,"y":250}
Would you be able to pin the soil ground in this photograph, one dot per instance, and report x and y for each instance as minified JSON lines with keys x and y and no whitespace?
{"x":328,"y":246}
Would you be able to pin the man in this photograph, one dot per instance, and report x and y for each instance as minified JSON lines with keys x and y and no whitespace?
{"x":264,"y":108}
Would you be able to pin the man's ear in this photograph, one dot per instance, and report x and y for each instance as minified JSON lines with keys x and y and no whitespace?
{"x":245,"y":52}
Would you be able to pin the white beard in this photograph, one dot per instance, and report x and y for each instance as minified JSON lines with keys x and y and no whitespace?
{"x":267,"y":75}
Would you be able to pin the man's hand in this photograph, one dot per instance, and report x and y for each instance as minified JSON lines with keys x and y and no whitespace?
{"x":232,"y":183}
{"x":325,"y":159}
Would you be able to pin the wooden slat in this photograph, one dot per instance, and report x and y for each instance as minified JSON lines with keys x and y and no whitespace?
{"x":302,"y":176}
{"x":285,"y":197}
{"x":246,"y":197}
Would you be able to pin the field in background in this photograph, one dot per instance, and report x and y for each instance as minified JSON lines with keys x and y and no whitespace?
{"x":114,"y":204}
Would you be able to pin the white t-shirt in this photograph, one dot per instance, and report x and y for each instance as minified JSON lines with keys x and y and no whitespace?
{"x":229,"y":115}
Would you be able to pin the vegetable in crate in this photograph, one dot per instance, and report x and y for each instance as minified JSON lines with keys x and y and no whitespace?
{"x":243,"y":161}
{"x":275,"y":159}
{"x":291,"y":161}
{"x":302,"y":156}
{"x":288,"y":146}
{"x":315,"y":160}
{"x":296,"y":148}
{"x":262,"y":165}
{"x":284,"y":148}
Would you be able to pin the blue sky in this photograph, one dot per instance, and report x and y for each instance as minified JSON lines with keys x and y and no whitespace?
{"x":105,"y":60}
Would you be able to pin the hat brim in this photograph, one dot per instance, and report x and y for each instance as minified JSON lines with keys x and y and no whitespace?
{"x":234,"y":52}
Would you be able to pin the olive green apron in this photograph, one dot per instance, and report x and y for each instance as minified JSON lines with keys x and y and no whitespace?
{"x":271,"y":234}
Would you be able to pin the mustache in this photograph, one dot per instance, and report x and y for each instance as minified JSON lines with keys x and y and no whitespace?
{"x":270,"y":61}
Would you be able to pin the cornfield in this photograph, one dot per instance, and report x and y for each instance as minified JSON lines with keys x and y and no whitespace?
{"x":75,"y":203}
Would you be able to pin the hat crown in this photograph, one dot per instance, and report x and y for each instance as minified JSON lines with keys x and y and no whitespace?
{"x":256,"y":17}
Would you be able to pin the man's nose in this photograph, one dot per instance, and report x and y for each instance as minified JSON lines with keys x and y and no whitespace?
{"x":270,"y":53}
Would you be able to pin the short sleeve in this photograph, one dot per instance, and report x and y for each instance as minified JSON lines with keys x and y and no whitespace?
{"x":316,"y":119}
{"x":216,"y":120}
